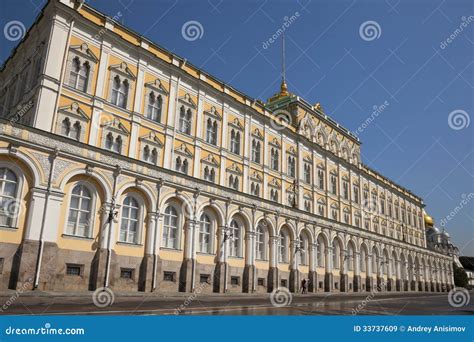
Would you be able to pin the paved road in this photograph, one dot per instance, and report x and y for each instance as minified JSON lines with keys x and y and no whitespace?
{"x":321,"y":304}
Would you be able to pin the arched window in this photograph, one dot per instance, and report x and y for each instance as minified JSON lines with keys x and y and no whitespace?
{"x":117,"y":144}
{"x":185,"y":120}
{"x":304,"y":252}
{"x":283,"y":247}
{"x":350,"y":258}
{"x":363,"y":261}
{"x":129,"y":226}
{"x":76,"y":131}
{"x":120,"y":92}
{"x":307,"y":173}
{"x":170,"y":228}
{"x":66,"y":127}
{"x":235,"y":142}
{"x":113,"y":144}
{"x":79,"y":75}
{"x":256,"y":151}
{"x":154,"y":107}
{"x":321,"y":258}
{"x":8,"y":196}
{"x":211,"y":132}
{"x":375,"y":262}
{"x":274,"y":159}
{"x":80,"y":212}
{"x":333,"y":184}
{"x":236,"y":239}
{"x":321,"y":179}
{"x":274,"y":195}
{"x":291,"y":166}
{"x":205,"y":234}
{"x":260,"y":242}
{"x":336,"y":255}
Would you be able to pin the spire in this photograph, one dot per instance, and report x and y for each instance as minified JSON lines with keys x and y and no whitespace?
{"x":283,"y":87}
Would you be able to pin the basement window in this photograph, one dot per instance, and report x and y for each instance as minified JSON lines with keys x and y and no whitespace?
{"x":74,"y":270}
{"x":234,"y":280}
{"x":169,"y":276}
{"x":126,"y":273}
{"x":205,"y":278}
{"x":261,"y":281}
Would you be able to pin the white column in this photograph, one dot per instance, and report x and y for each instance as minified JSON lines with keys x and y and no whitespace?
{"x":170,"y":124}
{"x":132,"y":151}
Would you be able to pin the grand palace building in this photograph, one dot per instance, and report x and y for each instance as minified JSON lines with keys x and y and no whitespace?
{"x":123,"y":165}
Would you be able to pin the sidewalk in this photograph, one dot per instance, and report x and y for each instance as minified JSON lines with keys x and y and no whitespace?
{"x":47,"y":294}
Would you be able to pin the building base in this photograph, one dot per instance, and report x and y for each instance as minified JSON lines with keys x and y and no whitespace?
{"x":294,"y":285}
{"x":248,"y":279}
{"x":328,"y":282}
{"x":313,"y":282}
{"x":356,"y":283}
{"x":344,"y":279}
{"x":369,"y":284}
{"x":272,"y":279}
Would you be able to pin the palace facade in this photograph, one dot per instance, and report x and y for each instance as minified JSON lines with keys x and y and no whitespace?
{"x":123,"y":165}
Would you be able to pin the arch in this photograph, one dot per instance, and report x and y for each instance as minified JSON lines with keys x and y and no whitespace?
{"x":308,"y":232}
{"x":97,"y":176}
{"x":29,"y":162}
{"x":351,"y":260}
{"x":364,"y":260}
{"x":214,"y":207}
{"x":141,"y":188}
{"x":243,"y":217}
{"x":184,"y":201}
{"x":290,"y":228}
{"x":268,"y":224}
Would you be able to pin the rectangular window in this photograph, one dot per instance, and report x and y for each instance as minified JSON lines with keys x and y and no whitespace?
{"x":205,"y":278}
{"x":234,"y":280}
{"x":283,"y":282}
{"x":74,"y":270}
{"x":336,"y":285}
{"x":320,"y":284}
{"x":169,"y":276}
{"x":126,"y":273}
{"x":261,"y":281}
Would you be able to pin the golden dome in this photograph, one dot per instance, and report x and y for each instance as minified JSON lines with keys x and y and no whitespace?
{"x":428,"y":221}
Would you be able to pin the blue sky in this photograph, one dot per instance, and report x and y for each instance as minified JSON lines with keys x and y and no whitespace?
{"x":421,"y":139}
